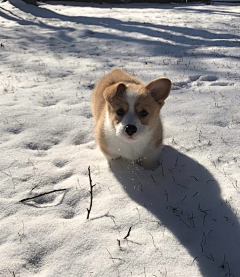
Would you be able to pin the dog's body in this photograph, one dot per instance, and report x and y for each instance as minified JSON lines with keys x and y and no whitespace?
{"x":126,"y":114}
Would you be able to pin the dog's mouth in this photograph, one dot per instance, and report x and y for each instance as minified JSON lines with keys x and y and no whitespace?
{"x":133,"y":137}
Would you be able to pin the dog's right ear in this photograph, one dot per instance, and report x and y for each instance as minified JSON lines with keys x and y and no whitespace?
{"x":114,"y":91}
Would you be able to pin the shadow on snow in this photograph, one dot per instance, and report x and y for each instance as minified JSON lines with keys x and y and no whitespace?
{"x":158,"y":39}
{"x":186,"y":199}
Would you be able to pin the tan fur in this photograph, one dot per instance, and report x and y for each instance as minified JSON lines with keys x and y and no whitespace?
{"x":106,"y":84}
{"x":146,"y":102}
{"x":117,"y":75}
{"x":109,"y":95}
{"x":99,"y":106}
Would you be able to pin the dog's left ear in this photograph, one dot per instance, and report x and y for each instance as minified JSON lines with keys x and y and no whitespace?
{"x":159,"y":89}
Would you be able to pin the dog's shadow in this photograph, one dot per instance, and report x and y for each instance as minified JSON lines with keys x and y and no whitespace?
{"x":186,"y":198}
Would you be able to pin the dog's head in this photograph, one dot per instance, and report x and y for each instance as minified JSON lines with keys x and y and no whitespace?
{"x":133,"y":109}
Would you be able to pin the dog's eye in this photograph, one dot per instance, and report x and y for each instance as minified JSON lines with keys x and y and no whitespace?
{"x":120,"y":112}
{"x":143,"y":113}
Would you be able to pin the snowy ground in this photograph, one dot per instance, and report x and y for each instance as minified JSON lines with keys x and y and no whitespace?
{"x":184,"y":216}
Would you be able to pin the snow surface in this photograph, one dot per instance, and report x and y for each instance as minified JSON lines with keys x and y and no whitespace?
{"x":183,"y":216}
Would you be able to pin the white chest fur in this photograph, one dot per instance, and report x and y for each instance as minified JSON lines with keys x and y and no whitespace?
{"x":131,"y":150}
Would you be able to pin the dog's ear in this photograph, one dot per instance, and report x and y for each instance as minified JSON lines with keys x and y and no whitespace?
{"x":159,"y":89}
{"x":116,"y":90}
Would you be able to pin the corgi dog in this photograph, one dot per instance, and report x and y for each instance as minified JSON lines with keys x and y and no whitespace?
{"x":127,"y":119}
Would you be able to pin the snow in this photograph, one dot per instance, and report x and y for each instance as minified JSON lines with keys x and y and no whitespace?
{"x":183,"y":216}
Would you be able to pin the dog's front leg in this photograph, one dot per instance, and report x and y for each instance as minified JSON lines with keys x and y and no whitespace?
{"x":151,"y":158}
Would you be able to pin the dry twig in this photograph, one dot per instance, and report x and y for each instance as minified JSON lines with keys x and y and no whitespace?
{"x":91,"y":193}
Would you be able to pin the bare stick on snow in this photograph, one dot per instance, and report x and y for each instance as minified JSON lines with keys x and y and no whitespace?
{"x":128,"y":234}
{"x":91,"y":193}
{"x":11,"y":272}
{"x":42,"y":194}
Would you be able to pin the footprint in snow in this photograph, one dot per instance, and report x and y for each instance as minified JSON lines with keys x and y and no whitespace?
{"x":45,"y":200}
{"x":208,"y":78}
{"x":212,"y":79}
{"x":181,"y":84}
{"x":15,"y":129}
{"x":60,"y":162}
{"x":221,"y":84}
{"x":42,"y":144}
{"x":194,"y":78}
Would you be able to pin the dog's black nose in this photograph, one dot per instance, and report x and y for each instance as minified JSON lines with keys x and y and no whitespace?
{"x":131,"y":129}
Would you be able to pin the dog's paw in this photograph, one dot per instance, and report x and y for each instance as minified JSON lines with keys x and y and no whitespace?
{"x":148,"y":164}
{"x":112,"y":157}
